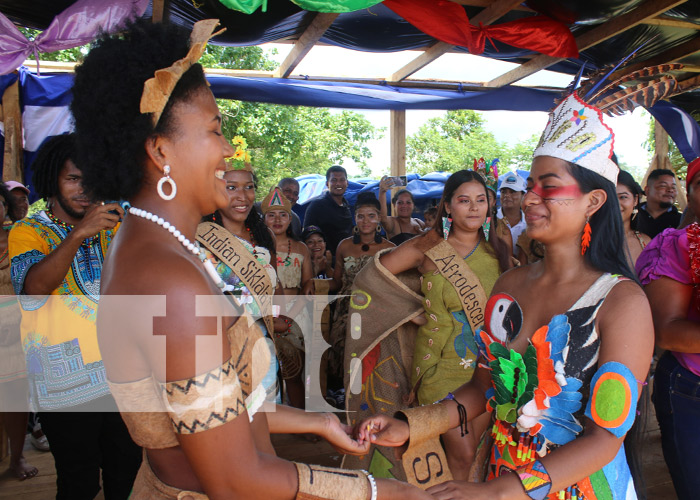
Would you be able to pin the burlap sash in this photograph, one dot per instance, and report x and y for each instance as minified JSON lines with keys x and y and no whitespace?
{"x":462,"y":278}
{"x":235,"y":255}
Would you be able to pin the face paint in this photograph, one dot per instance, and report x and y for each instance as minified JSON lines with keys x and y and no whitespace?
{"x":557,"y":193}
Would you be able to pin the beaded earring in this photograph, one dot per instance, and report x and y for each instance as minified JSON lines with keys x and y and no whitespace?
{"x":378,"y":234}
{"x":586,"y":238}
{"x":446,"y":226}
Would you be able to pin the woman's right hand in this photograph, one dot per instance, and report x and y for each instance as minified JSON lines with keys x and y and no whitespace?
{"x":382,"y":430}
{"x":385,"y":184}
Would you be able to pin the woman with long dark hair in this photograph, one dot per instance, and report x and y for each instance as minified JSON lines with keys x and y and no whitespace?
{"x":566,"y":342}
{"x":455,"y":260}
{"x":628,"y":194}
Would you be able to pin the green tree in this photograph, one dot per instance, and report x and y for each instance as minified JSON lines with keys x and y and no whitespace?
{"x":75,"y":54}
{"x":678,"y":163}
{"x":521,"y":153}
{"x":283,"y":140}
{"x":452,"y":142}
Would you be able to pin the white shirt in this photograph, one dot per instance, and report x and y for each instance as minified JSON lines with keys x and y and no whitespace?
{"x":516,"y":230}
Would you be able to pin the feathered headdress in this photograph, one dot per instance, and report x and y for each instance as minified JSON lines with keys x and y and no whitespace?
{"x":489,"y":174}
{"x":157,"y":90}
{"x":576,"y":131}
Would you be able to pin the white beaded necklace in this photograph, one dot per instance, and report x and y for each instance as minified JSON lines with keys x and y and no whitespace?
{"x":192,"y":247}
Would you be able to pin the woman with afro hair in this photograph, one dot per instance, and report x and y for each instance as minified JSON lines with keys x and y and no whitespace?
{"x":188,"y":394}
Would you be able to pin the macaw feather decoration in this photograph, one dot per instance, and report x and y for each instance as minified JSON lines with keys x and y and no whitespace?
{"x":605,"y":96}
{"x":642,"y":94}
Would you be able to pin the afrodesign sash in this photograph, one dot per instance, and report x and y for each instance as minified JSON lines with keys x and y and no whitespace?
{"x":235,"y":255}
{"x":462,"y":278}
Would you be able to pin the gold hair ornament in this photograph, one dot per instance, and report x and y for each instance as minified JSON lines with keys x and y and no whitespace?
{"x":157,"y":90}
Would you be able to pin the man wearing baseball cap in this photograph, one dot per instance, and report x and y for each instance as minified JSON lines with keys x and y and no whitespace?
{"x":513,"y":188}
{"x":21,"y":195}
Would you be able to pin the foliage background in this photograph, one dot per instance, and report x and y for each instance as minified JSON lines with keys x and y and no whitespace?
{"x":284,"y":141}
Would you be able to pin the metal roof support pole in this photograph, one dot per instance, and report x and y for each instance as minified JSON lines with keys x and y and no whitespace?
{"x":12,"y":118}
{"x":397,"y":137}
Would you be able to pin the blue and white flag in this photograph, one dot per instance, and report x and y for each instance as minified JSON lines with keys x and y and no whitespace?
{"x":682,"y":128}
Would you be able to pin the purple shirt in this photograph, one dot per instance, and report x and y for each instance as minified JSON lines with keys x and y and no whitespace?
{"x":669,"y":255}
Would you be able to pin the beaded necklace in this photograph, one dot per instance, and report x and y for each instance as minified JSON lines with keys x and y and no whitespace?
{"x":85,"y":246}
{"x":69,"y":227}
{"x":192,"y":247}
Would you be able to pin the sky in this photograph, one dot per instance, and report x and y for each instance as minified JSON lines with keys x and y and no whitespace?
{"x":507,"y":126}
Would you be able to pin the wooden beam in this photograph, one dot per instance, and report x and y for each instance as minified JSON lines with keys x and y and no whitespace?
{"x":157,"y":11}
{"x":495,"y":10}
{"x":671,"y":23}
{"x":648,"y":10}
{"x":421,"y":61}
{"x":12,"y":114}
{"x":397,"y":137}
{"x":306,"y":41}
{"x":486,"y":3}
{"x":428,"y":83}
{"x":671,"y":55}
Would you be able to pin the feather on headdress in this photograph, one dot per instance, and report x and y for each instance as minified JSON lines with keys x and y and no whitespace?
{"x":576,"y":131}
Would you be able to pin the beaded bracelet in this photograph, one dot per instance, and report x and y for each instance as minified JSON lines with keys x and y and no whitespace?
{"x":372,"y":485}
{"x":461,"y":410}
{"x":535,"y":479}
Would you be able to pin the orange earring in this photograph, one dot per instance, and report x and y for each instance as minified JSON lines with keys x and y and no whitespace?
{"x":586,"y":238}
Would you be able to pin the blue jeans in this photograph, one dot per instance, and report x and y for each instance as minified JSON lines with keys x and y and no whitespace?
{"x":677,"y":403}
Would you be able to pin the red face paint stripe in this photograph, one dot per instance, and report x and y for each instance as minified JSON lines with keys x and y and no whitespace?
{"x":561,"y":192}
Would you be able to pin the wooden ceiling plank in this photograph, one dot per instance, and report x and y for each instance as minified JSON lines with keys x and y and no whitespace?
{"x":421,"y":61}
{"x":648,"y":10}
{"x":157,"y":11}
{"x":671,"y":55}
{"x":306,"y":41}
{"x":671,"y":23}
{"x":494,"y":11}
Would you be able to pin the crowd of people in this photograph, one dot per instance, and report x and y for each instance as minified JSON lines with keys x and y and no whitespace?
{"x":510,"y":316}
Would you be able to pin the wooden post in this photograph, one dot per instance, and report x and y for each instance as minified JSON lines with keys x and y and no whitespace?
{"x":397,"y":134}
{"x":12,"y":118}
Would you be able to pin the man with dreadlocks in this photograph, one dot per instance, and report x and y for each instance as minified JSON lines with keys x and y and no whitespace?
{"x":56,"y":265}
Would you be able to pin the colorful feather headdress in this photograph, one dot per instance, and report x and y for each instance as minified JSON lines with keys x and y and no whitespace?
{"x":576,"y":131}
{"x":490,"y":174}
{"x":157,"y":90}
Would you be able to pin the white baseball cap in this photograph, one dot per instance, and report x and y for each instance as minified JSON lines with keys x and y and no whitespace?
{"x":513,"y":181}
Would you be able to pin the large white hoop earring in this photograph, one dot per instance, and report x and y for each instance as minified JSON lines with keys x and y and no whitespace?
{"x":163,"y":180}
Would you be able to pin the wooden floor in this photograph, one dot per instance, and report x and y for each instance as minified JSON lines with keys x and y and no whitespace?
{"x":43,"y":486}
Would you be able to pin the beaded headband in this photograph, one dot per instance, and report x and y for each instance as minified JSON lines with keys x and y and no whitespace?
{"x":157,"y":90}
{"x":576,"y":131}
{"x":276,"y":200}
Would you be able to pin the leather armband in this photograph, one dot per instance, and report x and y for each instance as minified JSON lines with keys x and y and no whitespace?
{"x":205,"y":401}
{"x":317,"y":482}
{"x":613,"y":401}
{"x":424,"y":460}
